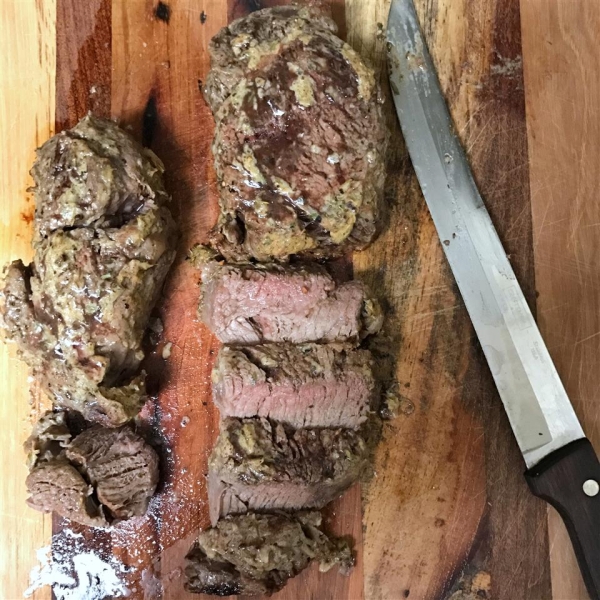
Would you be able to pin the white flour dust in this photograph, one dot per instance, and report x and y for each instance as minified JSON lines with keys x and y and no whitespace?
{"x":76,"y":574}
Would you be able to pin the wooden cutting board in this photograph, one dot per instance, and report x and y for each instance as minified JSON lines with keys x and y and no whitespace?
{"x":447,"y":514}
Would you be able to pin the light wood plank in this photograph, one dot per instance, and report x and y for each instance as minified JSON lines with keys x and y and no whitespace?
{"x":27,"y":72}
{"x":562,"y":79}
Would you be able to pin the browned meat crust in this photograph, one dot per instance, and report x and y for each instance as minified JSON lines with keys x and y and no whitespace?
{"x":260,"y":465}
{"x":300,"y":138}
{"x":256,"y":554}
{"x":104,"y":241}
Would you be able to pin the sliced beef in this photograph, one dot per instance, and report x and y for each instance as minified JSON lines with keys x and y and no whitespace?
{"x":300,"y":139}
{"x":256,"y":554}
{"x":96,"y":477}
{"x":104,"y":241}
{"x":306,"y":385}
{"x":255,"y":304}
{"x":261,"y":465}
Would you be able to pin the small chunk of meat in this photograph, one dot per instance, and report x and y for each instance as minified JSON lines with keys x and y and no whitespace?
{"x":120,"y":465}
{"x":56,"y":486}
{"x":96,"y":477}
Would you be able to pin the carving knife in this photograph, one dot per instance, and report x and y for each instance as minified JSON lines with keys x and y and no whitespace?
{"x":562,"y":467}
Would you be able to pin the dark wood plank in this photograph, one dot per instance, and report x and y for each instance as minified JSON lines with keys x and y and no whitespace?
{"x":449,"y":513}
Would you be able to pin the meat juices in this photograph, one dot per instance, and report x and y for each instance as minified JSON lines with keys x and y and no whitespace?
{"x":256,"y":554}
{"x":94,"y":478}
{"x":300,"y":139}
{"x":103,"y":242}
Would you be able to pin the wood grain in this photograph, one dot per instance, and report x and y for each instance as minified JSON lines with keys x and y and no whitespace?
{"x":27,"y":68}
{"x":449,"y":513}
{"x":562,"y":77}
{"x":157,"y":68}
{"x":83,"y":43}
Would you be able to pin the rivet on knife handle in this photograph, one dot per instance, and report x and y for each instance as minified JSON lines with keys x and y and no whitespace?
{"x":569,"y":480}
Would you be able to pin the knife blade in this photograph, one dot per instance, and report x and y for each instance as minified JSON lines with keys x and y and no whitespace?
{"x":541,"y":415}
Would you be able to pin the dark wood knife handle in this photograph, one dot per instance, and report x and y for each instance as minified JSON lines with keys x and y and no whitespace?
{"x":569,"y":480}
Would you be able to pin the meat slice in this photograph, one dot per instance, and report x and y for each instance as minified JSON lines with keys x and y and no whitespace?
{"x":103,"y":242}
{"x":300,"y":138}
{"x":253,"y":304}
{"x":307,"y":385}
{"x":95,"y":478}
{"x":260,"y":465}
{"x":256,"y":554}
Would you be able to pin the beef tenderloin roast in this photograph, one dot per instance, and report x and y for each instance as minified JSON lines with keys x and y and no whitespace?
{"x":103,"y":242}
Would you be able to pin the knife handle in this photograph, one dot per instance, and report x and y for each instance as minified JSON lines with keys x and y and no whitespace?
{"x":569,"y":480}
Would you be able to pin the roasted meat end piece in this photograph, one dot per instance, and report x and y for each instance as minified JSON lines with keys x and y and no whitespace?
{"x":104,"y":243}
{"x":94,"y":175}
{"x":258,"y":553}
{"x":300,"y":138}
{"x":261,"y":465}
{"x":305,"y":385}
